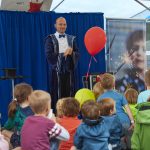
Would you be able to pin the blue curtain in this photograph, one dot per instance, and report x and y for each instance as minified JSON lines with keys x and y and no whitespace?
{"x":22,"y":37}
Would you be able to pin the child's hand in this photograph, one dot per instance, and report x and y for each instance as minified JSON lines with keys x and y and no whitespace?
{"x":57,"y":119}
{"x":73,"y":148}
{"x":53,"y":118}
{"x":51,"y":115}
{"x":131,"y":127}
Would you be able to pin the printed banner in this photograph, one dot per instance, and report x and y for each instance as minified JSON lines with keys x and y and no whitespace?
{"x":126,"y":52}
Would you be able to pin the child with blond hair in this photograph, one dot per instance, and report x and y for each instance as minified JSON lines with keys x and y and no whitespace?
{"x":108,"y":83}
{"x":38,"y":130}
{"x":59,"y":108}
{"x":18,"y":110}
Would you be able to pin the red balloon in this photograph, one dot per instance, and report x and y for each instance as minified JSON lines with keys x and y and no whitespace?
{"x":95,"y":40}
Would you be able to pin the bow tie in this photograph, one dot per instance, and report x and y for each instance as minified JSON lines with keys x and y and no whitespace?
{"x":61,"y":35}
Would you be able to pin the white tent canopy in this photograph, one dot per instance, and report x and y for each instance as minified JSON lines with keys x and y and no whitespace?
{"x":110,"y":8}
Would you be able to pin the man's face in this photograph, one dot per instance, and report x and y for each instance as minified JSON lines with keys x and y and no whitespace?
{"x":61,"y":25}
{"x":138,"y":55}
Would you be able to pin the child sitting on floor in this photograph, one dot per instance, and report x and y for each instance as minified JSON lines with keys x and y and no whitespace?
{"x":38,"y":130}
{"x":18,"y":110}
{"x":59,"y":108}
{"x":107,"y":110}
{"x":126,"y":118}
{"x":131,"y":95}
{"x":93,"y":133}
{"x":69,"y":120}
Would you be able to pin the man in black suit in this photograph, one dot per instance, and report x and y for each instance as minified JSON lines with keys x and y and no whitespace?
{"x":62,"y":55}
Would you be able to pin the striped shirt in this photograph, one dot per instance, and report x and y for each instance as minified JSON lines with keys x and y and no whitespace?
{"x":36,"y":133}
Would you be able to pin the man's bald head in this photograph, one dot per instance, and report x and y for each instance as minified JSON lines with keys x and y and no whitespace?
{"x":61,"y":25}
{"x":60,"y":18}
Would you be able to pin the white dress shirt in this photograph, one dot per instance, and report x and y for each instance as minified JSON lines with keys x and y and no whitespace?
{"x":62,"y":42}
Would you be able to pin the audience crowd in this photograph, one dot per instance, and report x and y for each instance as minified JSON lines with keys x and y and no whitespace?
{"x":113,"y":121}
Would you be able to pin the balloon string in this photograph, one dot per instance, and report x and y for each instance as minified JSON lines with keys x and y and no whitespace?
{"x":94,"y":59}
{"x":88,"y":68}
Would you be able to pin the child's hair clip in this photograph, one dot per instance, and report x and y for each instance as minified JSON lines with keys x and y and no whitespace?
{"x":15,"y":99}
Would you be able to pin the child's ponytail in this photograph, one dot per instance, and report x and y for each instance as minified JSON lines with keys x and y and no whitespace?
{"x":12,"y":108}
{"x":21,"y":94}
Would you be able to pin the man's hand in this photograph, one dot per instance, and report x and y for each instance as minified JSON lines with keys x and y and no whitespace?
{"x":68,"y":51}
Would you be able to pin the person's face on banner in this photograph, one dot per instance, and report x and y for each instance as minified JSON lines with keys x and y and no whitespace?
{"x":138,"y":55}
{"x":61,"y":25}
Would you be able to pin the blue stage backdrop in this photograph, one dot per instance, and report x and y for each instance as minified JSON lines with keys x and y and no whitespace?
{"x":22,"y":37}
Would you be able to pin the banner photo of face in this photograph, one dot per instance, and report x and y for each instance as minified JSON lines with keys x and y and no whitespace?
{"x":125,"y":52}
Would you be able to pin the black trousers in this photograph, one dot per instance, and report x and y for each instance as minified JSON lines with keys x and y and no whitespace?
{"x":62,"y":85}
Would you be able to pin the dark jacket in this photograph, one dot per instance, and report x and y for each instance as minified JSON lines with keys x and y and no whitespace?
{"x":92,"y":135}
{"x":58,"y":61}
{"x":115,"y":130}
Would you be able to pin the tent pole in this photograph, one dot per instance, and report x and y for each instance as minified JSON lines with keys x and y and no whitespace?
{"x":142,"y":5}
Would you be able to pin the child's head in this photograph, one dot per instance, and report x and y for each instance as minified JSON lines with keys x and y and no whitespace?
{"x":108,"y":81}
{"x":59,"y":107}
{"x":21,"y":94}
{"x":131,"y":95}
{"x":136,"y":49}
{"x":40,"y":102}
{"x":107,"y":106}
{"x":90,"y":110}
{"x":147,"y":77}
{"x":98,"y":89}
{"x":71,"y":107}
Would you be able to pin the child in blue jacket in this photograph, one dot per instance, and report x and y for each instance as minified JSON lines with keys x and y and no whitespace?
{"x":93,"y":133}
{"x":107,"y":109}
